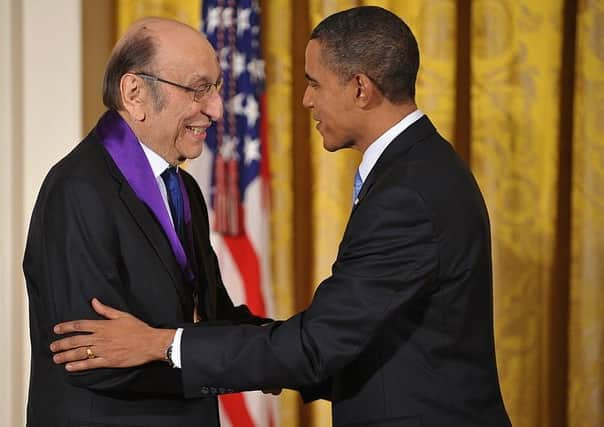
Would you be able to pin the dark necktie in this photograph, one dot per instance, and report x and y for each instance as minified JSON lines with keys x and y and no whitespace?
{"x":175,"y":201}
{"x":177,"y":209}
{"x":358,"y":183}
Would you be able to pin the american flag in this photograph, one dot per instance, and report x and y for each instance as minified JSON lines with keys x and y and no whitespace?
{"x":233,"y":175}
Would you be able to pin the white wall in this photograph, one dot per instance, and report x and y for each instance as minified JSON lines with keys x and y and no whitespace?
{"x":40,"y":121}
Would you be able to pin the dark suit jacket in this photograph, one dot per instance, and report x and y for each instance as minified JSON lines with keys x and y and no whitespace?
{"x":401,"y":333}
{"x":90,"y":236}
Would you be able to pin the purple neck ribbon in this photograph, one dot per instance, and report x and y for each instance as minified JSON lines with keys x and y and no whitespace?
{"x":124,"y":148}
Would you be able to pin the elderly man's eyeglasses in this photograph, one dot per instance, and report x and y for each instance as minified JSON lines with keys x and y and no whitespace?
{"x":198,"y":94}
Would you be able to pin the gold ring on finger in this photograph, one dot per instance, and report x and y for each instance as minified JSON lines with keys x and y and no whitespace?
{"x":90,"y":354}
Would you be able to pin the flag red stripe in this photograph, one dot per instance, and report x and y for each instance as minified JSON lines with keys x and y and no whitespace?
{"x":235,"y":406}
{"x":246,"y":259}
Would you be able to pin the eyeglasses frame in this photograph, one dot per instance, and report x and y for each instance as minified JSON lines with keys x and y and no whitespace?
{"x":198,"y":94}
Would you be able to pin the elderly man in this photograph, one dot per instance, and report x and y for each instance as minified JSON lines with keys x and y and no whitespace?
{"x":117,"y":219}
{"x":401,"y":333}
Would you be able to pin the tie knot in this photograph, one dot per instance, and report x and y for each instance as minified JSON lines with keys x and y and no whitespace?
{"x":170,"y":174}
{"x":170,"y":178}
{"x":175,"y":198}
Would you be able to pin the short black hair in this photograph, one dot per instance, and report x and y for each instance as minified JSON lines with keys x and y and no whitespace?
{"x":372,"y":41}
{"x":137,"y":53}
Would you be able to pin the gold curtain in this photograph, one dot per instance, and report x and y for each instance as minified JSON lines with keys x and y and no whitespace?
{"x":277,"y":43}
{"x":515,"y":93}
{"x":586,"y":332}
{"x":434,"y":24}
{"x":128,"y":11}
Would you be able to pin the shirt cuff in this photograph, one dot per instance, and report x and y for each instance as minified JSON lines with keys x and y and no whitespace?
{"x":175,"y":356}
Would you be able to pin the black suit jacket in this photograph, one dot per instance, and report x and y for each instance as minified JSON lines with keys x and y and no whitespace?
{"x":90,"y":236}
{"x":401,"y":333}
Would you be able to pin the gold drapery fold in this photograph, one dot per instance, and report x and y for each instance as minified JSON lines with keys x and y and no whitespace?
{"x":515,"y":92}
{"x":277,"y":46}
{"x":433,"y":23}
{"x":586,"y":331}
{"x":187,"y":11}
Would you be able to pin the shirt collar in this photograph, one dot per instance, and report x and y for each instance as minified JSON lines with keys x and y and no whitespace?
{"x":377,"y":147}
{"x":157,"y":162}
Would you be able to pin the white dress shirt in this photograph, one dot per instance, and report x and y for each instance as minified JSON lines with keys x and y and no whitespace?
{"x":377,"y":147}
{"x":158,"y":166}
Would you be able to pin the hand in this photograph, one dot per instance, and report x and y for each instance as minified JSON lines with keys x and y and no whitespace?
{"x":120,"y":342}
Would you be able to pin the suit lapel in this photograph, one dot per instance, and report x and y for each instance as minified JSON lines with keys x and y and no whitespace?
{"x":148,"y":224}
{"x":126,"y":152}
{"x":155,"y":235}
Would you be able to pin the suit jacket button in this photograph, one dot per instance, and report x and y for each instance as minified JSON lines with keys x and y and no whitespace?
{"x":213,"y":390}
{"x":205,"y":390}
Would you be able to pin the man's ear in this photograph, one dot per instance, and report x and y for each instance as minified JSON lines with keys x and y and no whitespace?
{"x":133,"y":96}
{"x":365,"y":90}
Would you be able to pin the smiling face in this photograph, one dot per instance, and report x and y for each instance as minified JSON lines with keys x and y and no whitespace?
{"x":175,"y":127}
{"x":331,"y":101}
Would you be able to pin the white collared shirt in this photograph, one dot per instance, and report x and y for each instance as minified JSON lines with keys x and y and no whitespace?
{"x":377,"y":147}
{"x":158,"y":166}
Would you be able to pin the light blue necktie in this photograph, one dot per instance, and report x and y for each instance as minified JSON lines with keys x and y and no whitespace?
{"x":358,"y":183}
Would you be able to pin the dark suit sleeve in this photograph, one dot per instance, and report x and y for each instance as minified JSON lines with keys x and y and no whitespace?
{"x":316,"y":392}
{"x":81,"y":255}
{"x":387,"y":260}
